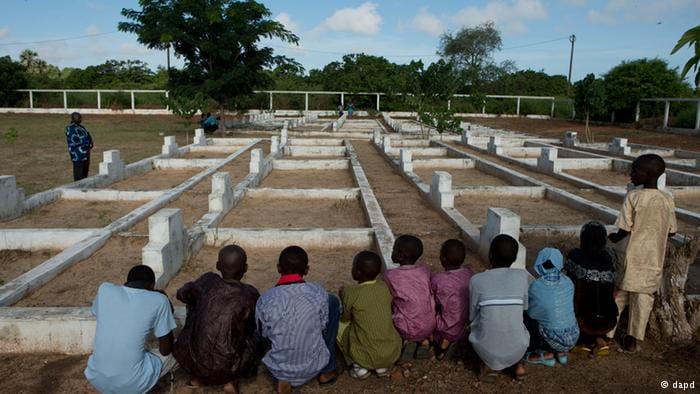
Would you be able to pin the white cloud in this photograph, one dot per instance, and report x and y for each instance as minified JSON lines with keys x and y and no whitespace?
{"x":92,"y":30}
{"x":4,"y":31}
{"x":133,"y":50}
{"x":363,"y":20}
{"x":509,"y":15}
{"x":427,"y":23}
{"x":287,"y":21}
{"x":616,"y":11}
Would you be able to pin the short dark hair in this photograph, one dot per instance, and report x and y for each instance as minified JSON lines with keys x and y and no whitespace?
{"x":232,"y":259}
{"x":293,"y":260}
{"x":368,"y":264}
{"x":503,"y":251}
{"x":141,"y":275}
{"x":454,"y":252}
{"x":410,"y":246}
{"x":651,"y":163}
{"x":594,"y":237}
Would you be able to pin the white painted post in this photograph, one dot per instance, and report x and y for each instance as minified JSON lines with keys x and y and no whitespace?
{"x":449,"y":105}
{"x":386,"y":144}
{"x":112,"y":165}
{"x":65,"y":100}
{"x":483,"y":108}
{"x":199,"y":138}
{"x":274,"y":144}
{"x":31,"y":99}
{"x":667,"y":107}
{"x":551,"y":111}
{"x":270,"y":101}
{"x":377,"y":101}
{"x":501,"y":221}
{"x":377,"y":136}
{"x":342,"y":99}
{"x":284,"y":135}
{"x":636,"y":113}
{"x":697,"y":117}
{"x":494,"y":146}
{"x":221,"y":196}
{"x":167,"y":95}
{"x":12,"y":197}
{"x":406,"y":160}
{"x":466,"y":134}
{"x":255,"y":161}
{"x":548,"y":160}
{"x":306,"y":101}
{"x":133,"y":101}
{"x":441,"y":190}
{"x":99,"y":100}
{"x":166,"y":248}
{"x":169,"y":148}
{"x":517,"y":107}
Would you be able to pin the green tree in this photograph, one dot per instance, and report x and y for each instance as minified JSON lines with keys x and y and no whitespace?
{"x":12,"y":77}
{"x":690,"y":38}
{"x":219,"y":41}
{"x":437,"y":84}
{"x":112,"y":74}
{"x":471,"y":49}
{"x":185,"y":107}
{"x":630,"y":81}
{"x":590,"y":100}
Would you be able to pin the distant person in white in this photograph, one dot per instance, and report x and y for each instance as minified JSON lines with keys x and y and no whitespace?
{"x":126,"y":315}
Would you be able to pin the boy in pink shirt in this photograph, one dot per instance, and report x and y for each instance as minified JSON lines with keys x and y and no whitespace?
{"x":413,"y":306}
{"x":451,"y":290}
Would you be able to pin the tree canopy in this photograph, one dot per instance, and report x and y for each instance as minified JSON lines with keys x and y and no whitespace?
{"x":219,"y":41}
{"x":12,"y":77}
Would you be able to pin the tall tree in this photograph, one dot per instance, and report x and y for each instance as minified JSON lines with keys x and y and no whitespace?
{"x":12,"y":76}
{"x":219,"y":41}
{"x":690,"y":38}
{"x":590,"y":100}
{"x":630,"y":81}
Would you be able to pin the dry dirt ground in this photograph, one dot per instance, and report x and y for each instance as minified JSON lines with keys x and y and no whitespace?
{"x":555,"y":128}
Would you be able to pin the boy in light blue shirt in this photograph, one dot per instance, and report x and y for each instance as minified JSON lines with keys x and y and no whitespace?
{"x":126,"y":315}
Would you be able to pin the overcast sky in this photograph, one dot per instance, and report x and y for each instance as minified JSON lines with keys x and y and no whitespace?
{"x":607,"y":31}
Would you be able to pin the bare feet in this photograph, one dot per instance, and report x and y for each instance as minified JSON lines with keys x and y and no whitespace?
{"x":283,"y":387}
{"x":195,"y":383}
{"x":519,"y":371}
{"x":231,"y":387}
{"x":629,"y":344}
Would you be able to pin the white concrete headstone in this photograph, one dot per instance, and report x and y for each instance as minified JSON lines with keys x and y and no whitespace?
{"x":548,"y":160}
{"x":406,"y":160}
{"x":199,"y":138}
{"x":11,"y":197}
{"x":167,"y":245}
{"x":112,"y":165}
{"x":501,"y":221}
{"x":441,"y":190}
{"x":255,"y":161}
{"x":221,"y":196}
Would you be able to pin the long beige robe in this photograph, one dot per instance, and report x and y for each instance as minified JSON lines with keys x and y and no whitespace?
{"x":649,"y":215}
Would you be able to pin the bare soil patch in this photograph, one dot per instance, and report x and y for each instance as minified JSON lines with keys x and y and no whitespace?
{"x":14,"y":263}
{"x":156,"y":180}
{"x":73,"y":214}
{"x":405,"y":209}
{"x":78,"y":285}
{"x":463,"y":177}
{"x":535,"y":243}
{"x":555,"y":128}
{"x":309,"y":179}
{"x":328,"y":267}
{"x":530,"y":210}
{"x":264,"y":212}
{"x":206,"y":155}
{"x":193,"y":203}
{"x":602,"y":177}
{"x":691,"y":203}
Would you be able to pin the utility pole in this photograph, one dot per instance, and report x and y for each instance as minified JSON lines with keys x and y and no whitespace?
{"x":572,"y":39}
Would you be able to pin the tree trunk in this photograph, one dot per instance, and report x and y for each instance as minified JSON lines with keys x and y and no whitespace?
{"x":587,"y":131}
{"x":671,"y":318}
{"x":222,"y":115}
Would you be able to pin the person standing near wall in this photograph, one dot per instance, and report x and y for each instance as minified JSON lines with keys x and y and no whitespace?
{"x":79,"y":146}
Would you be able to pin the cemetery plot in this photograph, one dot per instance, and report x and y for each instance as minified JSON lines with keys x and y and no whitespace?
{"x":534,"y":243}
{"x":193,"y":203}
{"x":463,"y":177}
{"x":296,"y":213}
{"x":530,"y":210}
{"x":207,"y":155}
{"x":328,"y":267}
{"x":309,"y":179}
{"x":156,"y":180}
{"x":14,"y":263}
{"x":602,"y":177}
{"x":78,"y":285}
{"x":73,"y":214}
{"x":690,"y":202}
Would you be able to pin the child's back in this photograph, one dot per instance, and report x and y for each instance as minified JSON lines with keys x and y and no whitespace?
{"x":370,"y":339}
{"x":497,"y":298}
{"x":451,"y":290}
{"x":413,"y":304}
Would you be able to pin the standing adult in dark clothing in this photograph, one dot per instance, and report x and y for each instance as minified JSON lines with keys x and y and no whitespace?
{"x":79,"y":146}
{"x":219,"y":344}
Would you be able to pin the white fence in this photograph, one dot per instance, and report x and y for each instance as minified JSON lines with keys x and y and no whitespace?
{"x":667,"y":108}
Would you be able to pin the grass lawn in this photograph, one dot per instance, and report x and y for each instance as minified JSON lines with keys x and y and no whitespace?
{"x":39,"y":157}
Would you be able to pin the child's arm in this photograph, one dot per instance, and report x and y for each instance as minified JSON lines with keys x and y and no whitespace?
{"x":618,"y":236}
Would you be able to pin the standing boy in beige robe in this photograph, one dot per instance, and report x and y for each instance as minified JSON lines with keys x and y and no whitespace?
{"x":648,"y":218}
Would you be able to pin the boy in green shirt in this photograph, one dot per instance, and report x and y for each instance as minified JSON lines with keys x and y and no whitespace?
{"x":367,"y":336}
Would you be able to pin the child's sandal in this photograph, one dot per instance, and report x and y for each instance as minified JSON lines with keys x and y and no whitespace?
{"x":551,"y":362}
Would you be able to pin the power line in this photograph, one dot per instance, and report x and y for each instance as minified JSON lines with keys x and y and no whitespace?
{"x":58,"y":39}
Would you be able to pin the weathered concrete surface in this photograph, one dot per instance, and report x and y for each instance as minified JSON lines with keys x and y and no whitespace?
{"x":39,"y":238}
{"x":361,"y":238}
{"x":167,"y":245}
